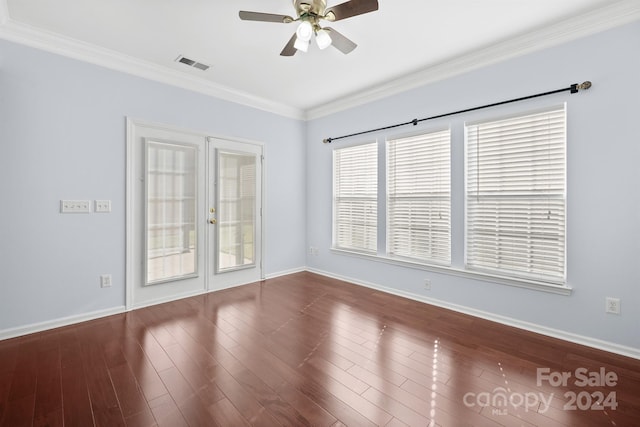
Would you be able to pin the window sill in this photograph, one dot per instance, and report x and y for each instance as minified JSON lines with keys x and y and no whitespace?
{"x":468,"y":274}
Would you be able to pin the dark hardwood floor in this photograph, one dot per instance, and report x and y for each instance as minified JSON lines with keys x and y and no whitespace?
{"x":306,"y":350}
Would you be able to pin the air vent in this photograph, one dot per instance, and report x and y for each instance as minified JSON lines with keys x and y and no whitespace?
{"x":192,"y":63}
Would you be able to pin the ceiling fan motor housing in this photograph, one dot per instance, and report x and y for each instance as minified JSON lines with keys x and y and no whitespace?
{"x":311,"y":7}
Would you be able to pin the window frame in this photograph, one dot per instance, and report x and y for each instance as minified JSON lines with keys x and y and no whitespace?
{"x":372,"y":240}
{"x":186,"y":200}
{"x":552,"y":280}
{"x":441,"y":138}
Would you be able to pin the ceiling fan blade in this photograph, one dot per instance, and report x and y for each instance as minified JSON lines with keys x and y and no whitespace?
{"x":264,"y":17}
{"x":350,"y":8}
{"x":289,"y":50}
{"x":340,"y":42}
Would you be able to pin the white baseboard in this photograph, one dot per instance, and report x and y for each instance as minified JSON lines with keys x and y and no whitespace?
{"x":57,"y":323}
{"x":286,"y":272}
{"x":170,"y":298}
{"x":532,"y":327}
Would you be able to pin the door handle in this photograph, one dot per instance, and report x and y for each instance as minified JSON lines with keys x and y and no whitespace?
{"x":212,"y":221}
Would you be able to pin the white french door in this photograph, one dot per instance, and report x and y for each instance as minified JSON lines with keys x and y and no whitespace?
{"x":235,"y":213}
{"x":194,"y":207}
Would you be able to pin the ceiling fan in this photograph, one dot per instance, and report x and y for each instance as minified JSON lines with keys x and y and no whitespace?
{"x":310,"y":13}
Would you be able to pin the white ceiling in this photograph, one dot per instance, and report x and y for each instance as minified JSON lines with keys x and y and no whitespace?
{"x":403,"y":44}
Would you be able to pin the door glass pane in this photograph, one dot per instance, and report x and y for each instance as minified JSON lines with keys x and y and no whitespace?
{"x":236,"y":210}
{"x":170,"y":212}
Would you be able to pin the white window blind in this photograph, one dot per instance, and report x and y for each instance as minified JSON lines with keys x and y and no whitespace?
{"x":419,"y":197}
{"x":516,"y":195}
{"x":355,"y":178}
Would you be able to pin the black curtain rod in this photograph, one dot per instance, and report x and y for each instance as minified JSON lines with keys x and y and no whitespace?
{"x":574,"y":88}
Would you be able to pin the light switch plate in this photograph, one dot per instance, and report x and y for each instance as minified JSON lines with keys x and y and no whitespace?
{"x":103,"y":206}
{"x":75,"y":206}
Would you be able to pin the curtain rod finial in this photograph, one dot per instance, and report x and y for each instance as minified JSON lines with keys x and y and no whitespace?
{"x":327,"y":140}
{"x":584,"y":85}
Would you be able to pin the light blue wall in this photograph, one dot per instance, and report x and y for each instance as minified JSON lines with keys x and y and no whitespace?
{"x":62,"y":136}
{"x":603,"y":224}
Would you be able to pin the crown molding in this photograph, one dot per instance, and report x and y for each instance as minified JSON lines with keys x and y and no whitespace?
{"x":23,"y":34}
{"x":614,"y":15}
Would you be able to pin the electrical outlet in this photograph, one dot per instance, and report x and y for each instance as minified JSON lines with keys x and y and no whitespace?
{"x":427,"y":284}
{"x":613,"y":305}
{"x":313,"y":251}
{"x":105,"y":281}
{"x":75,"y":206}
{"x":103,"y":206}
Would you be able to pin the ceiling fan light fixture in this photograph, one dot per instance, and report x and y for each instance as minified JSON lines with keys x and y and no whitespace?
{"x":308,"y":16}
{"x":323,"y":39}
{"x":302,"y":45}
{"x":304,"y":31}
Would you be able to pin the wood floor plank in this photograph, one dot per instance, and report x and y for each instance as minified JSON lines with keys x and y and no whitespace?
{"x":141,"y":419}
{"x":196,"y":413}
{"x":48,"y":397}
{"x":166,"y":412}
{"x":191,"y":372}
{"x":280,"y":409}
{"x":177,"y":385}
{"x":244,"y":401}
{"x":129,"y":395}
{"x":23,"y":381}
{"x":76,"y":404}
{"x":9,"y":350}
{"x":146,"y":376}
{"x":356,"y":384}
{"x":333,"y":404}
{"x":51,"y":419}
{"x":19,"y":412}
{"x":5,"y":386}
{"x":396,"y":408}
{"x":372,"y":412}
{"x":193,"y":410}
{"x":206,"y":364}
{"x":259,"y":365}
{"x":396,"y":423}
{"x":225,"y":414}
{"x":312,"y":413}
{"x":104,"y":403}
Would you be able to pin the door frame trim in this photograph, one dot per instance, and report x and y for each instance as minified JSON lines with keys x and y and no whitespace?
{"x":130,"y":224}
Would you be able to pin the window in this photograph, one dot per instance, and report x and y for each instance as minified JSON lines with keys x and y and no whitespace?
{"x":237,"y":216}
{"x":419,"y":197}
{"x":355,"y":197}
{"x":171,"y":171}
{"x":515,"y":195}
